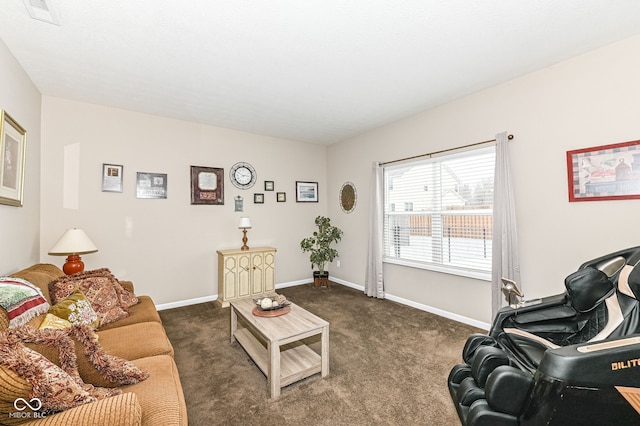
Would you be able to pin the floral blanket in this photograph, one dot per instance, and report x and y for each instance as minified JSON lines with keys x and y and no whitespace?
{"x":22,"y":300}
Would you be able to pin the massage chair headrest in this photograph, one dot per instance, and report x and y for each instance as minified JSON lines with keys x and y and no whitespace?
{"x":587,"y":288}
{"x":629,"y":279}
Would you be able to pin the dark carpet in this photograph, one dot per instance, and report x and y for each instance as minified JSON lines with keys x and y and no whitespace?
{"x":388,"y":365}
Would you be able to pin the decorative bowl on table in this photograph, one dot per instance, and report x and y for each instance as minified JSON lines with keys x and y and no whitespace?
{"x":271,"y":303}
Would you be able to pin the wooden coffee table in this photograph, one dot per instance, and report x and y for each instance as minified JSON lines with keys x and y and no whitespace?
{"x":274,"y":343}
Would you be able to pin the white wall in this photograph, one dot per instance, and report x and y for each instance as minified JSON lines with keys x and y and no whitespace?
{"x":587,"y":101}
{"x":20,"y":229}
{"x":168,"y":246}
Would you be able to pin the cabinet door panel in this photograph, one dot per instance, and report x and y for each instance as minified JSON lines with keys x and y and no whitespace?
{"x":244,"y":275}
{"x":269,"y":271}
{"x":230,"y":278}
{"x":256,"y":274}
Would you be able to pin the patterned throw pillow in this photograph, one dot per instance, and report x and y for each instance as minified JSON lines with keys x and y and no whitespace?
{"x":127,"y":299}
{"x":76,"y":309}
{"x":33,"y":384}
{"x":62,"y":392}
{"x":22,"y":300}
{"x":98,"y":289}
{"x":54,"y":322}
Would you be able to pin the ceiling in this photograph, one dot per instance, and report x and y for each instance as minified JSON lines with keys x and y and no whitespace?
{"x":318,"y":71}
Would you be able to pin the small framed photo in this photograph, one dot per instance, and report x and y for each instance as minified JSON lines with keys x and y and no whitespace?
{"x":258,"y":198}
{"x":112,"y":177}
{"x":268,"y":185}
{"x":607,"y":172}
{"x":207,"y":185}
{"x":13,"y":144}
{"x":306,"y":192}
{"x":151,"y":185}
{"x":281,"y":197}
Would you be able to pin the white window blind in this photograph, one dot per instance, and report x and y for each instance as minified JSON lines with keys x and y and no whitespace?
{"x":438,"y":212}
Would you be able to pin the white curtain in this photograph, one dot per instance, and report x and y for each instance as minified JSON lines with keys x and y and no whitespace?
{"x":374,"y":283}
{"x":505,"y":262}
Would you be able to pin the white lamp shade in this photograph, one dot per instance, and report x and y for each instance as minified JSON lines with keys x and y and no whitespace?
{"x":73,"y":241}
{"x":245,"y":223}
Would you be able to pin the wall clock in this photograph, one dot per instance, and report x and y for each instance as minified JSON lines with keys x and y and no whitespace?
{"x":348,"y":197}
{"x":243,"y":175}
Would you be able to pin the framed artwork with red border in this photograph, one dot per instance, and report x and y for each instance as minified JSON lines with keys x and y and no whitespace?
{"x":606,"y":172}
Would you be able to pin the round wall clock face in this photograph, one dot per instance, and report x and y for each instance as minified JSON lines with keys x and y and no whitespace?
{"x":243,"y":175}
{"x":348,"y":197}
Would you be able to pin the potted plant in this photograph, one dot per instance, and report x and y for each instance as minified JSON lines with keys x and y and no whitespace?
{"x":319,"y":245}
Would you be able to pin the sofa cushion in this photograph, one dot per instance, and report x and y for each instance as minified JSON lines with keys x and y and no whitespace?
{"x":131,"y":342}
{"x":98,"y":287}
{"x":76,"y":309}
{"x":118,"y":410}
{"x":143,"y":311}
{"x":160,"y":396}
{"x":12,"y":387}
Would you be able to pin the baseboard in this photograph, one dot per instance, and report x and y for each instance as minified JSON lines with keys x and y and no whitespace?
{"x":439,"y":312}
{"x":422,"y":307}
{"x":347,"y":283}
{"x":294,"y":283}
{"x":213,"y":298}
{"x":181,"y":303}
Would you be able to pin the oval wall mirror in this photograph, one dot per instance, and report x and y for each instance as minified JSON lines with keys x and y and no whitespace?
{"x":348,"y":197}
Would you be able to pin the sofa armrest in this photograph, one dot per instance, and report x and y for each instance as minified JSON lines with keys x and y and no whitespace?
{"x":119,"y":410}
{"x":128,"y":285}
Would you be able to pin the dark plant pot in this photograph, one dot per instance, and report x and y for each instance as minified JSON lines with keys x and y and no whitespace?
{"x":320,"y":279}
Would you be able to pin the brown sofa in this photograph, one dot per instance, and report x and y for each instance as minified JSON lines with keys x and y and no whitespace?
{"x":139,"y":338}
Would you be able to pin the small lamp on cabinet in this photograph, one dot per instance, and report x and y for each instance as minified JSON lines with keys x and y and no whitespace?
{"x":245,"y":224}
{"x":73,"y":243}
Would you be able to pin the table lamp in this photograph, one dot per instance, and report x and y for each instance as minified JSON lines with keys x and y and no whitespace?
{"x":73,"y":243}
{"x":245,"y":224}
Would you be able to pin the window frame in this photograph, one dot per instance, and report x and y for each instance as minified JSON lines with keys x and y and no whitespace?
{"x":437,"y":266}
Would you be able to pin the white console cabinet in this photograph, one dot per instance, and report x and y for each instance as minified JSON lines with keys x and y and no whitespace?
{"x":245,"y":273}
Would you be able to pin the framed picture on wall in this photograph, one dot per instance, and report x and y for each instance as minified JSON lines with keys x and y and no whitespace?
{"x":281,"y":197}
{"x":13,"y":145}
{"x":151,"y":185}
{"x":207,"y":185}
{"x":306,"y":192}
{"x":606,"y":172}
{"x":112,"y":178}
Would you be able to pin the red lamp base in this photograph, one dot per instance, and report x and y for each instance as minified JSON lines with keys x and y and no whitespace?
{"x":73,"y":265}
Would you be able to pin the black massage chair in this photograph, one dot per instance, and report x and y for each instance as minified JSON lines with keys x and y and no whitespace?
{"x":568,"y":359}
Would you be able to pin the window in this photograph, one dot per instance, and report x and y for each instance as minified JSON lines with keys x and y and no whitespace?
{"x":438,"y":213}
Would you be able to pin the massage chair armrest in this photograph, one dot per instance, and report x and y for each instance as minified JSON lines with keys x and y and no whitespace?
{"x":611,"y":362}
{"x":507,"y":312}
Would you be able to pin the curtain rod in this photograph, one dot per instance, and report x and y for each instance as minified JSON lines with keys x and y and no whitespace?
{"x":441,"y":151}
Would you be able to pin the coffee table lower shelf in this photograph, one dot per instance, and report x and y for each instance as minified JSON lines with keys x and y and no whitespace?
{"x":297,"y":360}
